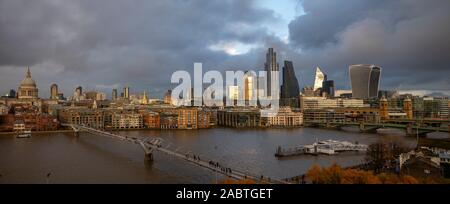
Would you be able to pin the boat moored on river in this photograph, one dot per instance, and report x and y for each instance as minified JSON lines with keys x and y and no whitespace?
{"x":24,"y":134}
{"x":327,"y":147}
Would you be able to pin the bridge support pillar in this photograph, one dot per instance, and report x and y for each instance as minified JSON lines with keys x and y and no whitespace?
{"x":411,"y":131}
{"x":368,"y":129}
{"x":76,"y":134}
{"x":361,"y":127}
{"x":149,"y":157}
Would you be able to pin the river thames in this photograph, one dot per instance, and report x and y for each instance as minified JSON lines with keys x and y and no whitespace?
{"x":95,"y":159}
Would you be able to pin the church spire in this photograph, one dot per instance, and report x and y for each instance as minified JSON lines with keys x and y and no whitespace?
{"x":28,"y":72}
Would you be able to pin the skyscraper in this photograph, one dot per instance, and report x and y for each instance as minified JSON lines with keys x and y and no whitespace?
{"x":271,"y":67}
{"x":319,"y":79}
{"x":54,"y":91}
{"x":126,"y":92}
{"x":365,"y":80}
{"x":233,"y":94}
{"x":12,"y":93}
{"x":289,"y":90}
{"x":114,"y":94}
{"x":250,"y":89}
{"x":328,"y":88}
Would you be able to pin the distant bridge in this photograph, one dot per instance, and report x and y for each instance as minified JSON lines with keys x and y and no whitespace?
{"x":411,"y":127}
{"x":149,"y":145}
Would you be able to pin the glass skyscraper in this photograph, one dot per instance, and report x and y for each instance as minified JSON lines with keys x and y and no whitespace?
{"x":319,"y":79}
{"x":328,"y":88}
{"x":365,"y":80}
{"x":272,"y":68}
{"x":289,"y":90}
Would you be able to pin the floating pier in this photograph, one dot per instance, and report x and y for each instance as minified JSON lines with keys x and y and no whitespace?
{"x":327,"y":147}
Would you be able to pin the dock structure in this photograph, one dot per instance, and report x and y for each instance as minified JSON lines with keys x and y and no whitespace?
{"x":149,"y":145}
{"x":328,"y":147}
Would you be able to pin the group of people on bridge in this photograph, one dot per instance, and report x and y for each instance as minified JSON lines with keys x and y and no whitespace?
{"x":218,"y":166}
{"x":195,"y":157}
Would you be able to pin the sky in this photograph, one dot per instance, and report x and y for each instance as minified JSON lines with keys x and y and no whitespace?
{"x":105,"y":44}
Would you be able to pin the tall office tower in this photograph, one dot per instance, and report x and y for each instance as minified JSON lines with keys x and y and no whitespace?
{"x":54,"y":91}
{"x":126,"y":92}
{"x":261,"y":87}
{"x":270,"y":67}
{"x":248,"y":89}
{"x":233,"y":94}
{"x":319,"y":79}
{"x":12,"y":93}
{"x":290,"y":89}
{"x":365,"y":80}
{"x":114,"y":94}
{"x":328,"y":88}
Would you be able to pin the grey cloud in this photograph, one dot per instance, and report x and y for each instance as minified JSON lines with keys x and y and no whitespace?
{"x":136,"y":42}
{"x":103,"y":44}
{"x":408,"y":38}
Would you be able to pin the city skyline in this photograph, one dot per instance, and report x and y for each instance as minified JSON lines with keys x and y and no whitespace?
{"x":250,"y":92}
{"x":55,"y":94}
{"x":129,"y":52}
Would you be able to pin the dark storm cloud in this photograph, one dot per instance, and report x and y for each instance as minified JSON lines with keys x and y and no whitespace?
{"x":104,"y":44}
{"x":115,"y":42}
{"x":408,"y":38}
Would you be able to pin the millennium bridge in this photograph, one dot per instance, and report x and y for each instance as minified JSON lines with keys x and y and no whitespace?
{"x":152,"y":144}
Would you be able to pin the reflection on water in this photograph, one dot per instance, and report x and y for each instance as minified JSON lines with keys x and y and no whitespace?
{"x":95,"y":159}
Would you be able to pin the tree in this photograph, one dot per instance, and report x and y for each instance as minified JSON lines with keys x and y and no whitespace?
{"x":376,"y":156}
{"x":353,"y":176}
{"x":336,"y":175}
{"x":384,"y":153}
{"x":333,"y":174}
{"x":314,"y":174}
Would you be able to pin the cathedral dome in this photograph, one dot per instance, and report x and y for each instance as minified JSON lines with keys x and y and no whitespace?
{"x":28,"y":81}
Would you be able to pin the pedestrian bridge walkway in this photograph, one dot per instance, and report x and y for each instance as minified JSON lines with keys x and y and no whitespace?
{"x":149,"y":145}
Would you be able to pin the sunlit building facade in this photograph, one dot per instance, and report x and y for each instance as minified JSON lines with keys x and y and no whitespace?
{"x":28,"y":88}
{"x":54,"y":92}
{"x":319,"y":79}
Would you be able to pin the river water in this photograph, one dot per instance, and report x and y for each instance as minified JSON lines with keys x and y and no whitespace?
{"x":95,"y":159}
